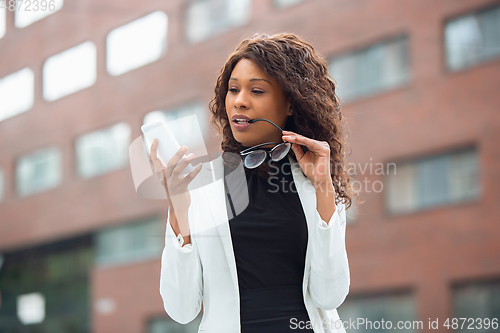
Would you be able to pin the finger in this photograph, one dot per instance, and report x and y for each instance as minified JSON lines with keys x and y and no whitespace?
{"x":317,"y":147}
{"x":174,"y":160}
{"x":153,"y":158}
{"x":161,"y":174}
{"x":158,"y":165}
{"x":190,"y":176}
{"x":182,"y":164}
{"x":163,"y":181}
{"x":299,"y":139}
{"x":299,"y":153}
{"x":153,"y":149}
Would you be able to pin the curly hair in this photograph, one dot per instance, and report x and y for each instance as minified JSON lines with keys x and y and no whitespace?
{"x":307,"y":85}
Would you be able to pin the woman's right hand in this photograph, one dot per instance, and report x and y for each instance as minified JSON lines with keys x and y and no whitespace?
{"x":176,"y":185}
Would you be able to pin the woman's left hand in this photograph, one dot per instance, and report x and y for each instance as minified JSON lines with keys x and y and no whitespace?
{"x":315,"y":163}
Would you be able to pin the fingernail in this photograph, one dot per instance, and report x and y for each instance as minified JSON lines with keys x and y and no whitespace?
{"x":190,"y":155}
{"x":155,"y":141}
{"x":184,"y":149}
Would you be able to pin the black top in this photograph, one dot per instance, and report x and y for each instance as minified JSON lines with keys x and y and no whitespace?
{"x":270,"y":236}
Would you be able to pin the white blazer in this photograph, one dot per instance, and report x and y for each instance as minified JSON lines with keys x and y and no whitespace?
{"x":205,"y":271}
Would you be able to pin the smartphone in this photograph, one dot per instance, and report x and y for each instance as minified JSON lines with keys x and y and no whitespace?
{"x":167,"y":144}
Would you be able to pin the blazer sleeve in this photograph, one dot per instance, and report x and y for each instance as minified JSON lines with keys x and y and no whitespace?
{"x":181,"y":284}
{"x":329,"y":278}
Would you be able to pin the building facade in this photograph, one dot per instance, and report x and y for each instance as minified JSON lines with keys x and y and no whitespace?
{"x":418,"y":82}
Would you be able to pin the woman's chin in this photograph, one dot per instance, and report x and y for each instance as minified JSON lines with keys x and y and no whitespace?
{"x":243,"y":141}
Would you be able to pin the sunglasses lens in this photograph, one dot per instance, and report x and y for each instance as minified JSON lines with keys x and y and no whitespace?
{"x":280,"y":151}
{"x":255,"y":158}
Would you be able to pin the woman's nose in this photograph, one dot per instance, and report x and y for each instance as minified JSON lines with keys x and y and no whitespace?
{"x":241,"y":100}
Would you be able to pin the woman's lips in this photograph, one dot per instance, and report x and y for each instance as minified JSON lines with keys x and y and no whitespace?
{"x":241,"y":126}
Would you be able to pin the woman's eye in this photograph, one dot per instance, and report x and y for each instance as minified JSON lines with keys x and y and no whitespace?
{"x":258,"y":91}
{"x":233,"y":90}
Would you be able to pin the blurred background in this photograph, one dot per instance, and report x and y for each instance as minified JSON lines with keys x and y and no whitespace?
{"x":419,"y":83}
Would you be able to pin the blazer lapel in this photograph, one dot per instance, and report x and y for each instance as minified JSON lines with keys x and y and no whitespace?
{"x":307,"y":196}
{"x":217,"y":202}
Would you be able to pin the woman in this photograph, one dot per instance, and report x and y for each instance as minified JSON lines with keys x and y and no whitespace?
{"x":280,"y":263}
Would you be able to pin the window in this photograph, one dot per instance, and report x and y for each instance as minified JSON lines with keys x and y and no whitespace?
{"x":17,"y":93}
{"x":473,"y":38}
{"x":31,"y":308}
{"x":206,"y":18}
{"x":102,"y":151}
{"x":131,"y":242}
{"x":286,"y":3}
{"x":433,"y":181}
{"x":137,"y":43}
{"x":69,"y":71}
{"x":38,"y":171}
{"x":46,"y":288}
{"x":193,"y":109}
{"x":2,"y":22}
{"x":2,"y":195}
{"x":380,"y":67}
{"x":373,"y":309}
{"x":477,"y":300}
{"x":167,"y":325}
{"x":29,"y":12}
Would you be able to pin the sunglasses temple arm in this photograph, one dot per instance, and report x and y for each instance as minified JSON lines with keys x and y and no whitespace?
{"x":261,"y":119}
{"x":249,"y":150}
{"x":254,"y":120}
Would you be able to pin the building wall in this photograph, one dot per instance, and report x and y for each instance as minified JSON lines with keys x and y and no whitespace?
{"x":436,"y":111}
{"x":134,"y":293}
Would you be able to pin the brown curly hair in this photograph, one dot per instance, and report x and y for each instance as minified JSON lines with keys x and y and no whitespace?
{"x":307,"y":85}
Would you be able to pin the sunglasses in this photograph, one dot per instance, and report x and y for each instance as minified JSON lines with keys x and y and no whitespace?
{"x":254,"y":158}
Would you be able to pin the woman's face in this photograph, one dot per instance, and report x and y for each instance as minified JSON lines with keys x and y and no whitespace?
{"x":252,"y":94}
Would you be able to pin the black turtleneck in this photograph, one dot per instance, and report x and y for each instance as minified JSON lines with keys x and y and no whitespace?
{"x":270,"y":236}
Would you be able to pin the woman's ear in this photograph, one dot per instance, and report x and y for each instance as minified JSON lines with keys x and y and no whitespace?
{"x":290,"y":110}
